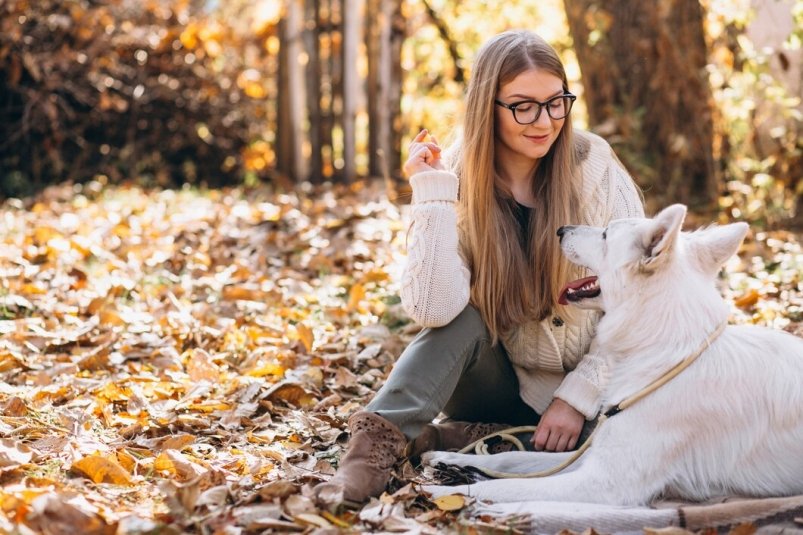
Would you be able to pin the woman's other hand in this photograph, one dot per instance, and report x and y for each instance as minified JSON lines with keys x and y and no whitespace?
{"x":559,"y":427}
{"x":423,"y":155}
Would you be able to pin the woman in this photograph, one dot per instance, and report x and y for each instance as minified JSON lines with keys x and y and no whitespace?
{"x":484,"y":274}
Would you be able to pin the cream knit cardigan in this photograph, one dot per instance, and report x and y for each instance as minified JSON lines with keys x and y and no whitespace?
{"x":553,"y":357}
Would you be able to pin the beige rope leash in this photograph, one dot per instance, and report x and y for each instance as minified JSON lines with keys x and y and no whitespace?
{"x":480,"y":447}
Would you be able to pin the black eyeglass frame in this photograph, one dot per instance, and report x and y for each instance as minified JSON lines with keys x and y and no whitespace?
{"x":512,"y":107}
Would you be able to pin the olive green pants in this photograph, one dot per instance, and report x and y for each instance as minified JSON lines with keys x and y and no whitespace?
{"x":456,"y":371}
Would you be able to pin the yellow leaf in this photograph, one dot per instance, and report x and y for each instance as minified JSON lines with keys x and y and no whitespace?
{"x":210,"y":406}
{"x":376,"y":275}
{"x":102,"y":470}
{"x":452,"y":502}
{"x":313,"y":520}
{"x":339,"y":522}
{"x":268,"y":369}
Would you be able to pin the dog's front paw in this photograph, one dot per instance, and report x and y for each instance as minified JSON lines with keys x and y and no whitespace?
{"x":436,"y":491}
{"x":433,"y":458}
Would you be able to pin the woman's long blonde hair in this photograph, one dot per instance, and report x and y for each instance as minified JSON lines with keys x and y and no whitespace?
{"x":515,"y":277}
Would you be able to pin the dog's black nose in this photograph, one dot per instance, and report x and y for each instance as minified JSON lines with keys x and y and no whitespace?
{"x":561,"y":232}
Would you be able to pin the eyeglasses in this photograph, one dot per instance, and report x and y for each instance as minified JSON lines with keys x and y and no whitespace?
{"x":528,"y":111}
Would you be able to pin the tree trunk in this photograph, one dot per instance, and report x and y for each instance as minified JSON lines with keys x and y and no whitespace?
{"x":314,"y":75}
{"x":397,"y":36}
{"x":643,"y":67}
{"x":291,"y":135}
{"x":384,"y":85}
{"x":352,"y":36}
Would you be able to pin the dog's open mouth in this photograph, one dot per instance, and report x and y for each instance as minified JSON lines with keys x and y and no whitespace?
{"x":578,"y":290}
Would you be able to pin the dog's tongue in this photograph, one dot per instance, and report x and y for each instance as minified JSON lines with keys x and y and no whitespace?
{"x":573,"y":285}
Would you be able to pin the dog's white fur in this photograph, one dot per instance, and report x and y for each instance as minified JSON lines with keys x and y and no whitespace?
{"x":731,"y":423}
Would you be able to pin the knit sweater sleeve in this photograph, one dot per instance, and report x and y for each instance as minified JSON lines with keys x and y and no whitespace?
{"x":435,"y":281}
{"x":582,"y":387}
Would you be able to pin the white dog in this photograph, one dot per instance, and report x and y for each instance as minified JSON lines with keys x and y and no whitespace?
{"x":729,"y":423}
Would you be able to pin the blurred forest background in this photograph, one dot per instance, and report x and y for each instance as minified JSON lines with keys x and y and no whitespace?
{"x":202,"y":229}
{"x":700,"y":98}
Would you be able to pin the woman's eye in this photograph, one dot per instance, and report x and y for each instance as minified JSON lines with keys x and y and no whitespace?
{"x":525,"y":107}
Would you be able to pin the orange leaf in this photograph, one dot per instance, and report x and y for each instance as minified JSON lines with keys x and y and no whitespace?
{"x":747,"y":300}
{"x":177,"y":464}
{"x":267,"y":369}
{"x":177,"y":442}
{"x":102,"y":470}
{"x":356,"y":294}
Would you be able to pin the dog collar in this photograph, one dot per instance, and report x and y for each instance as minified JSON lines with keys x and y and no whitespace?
{"x":668,"y":376}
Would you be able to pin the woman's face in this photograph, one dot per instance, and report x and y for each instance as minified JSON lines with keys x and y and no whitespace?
{"x":521,"y":143}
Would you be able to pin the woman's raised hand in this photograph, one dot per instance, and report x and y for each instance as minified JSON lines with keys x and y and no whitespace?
{"x":423,"y":155}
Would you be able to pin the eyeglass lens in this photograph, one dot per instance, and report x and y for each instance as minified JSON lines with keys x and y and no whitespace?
{"x":529,"y":112}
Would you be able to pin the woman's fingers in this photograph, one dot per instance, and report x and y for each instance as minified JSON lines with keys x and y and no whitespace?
{"x":422,"y":155}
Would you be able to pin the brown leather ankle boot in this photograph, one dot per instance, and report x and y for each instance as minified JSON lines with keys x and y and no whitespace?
{"x":453,"y":435}
{"x":374,"y":447}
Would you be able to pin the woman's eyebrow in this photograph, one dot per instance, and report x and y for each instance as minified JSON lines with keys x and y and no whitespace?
{"x":529,"y":97}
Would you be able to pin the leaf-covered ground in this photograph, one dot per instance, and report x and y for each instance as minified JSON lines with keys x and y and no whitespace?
{"x":185,"y":361}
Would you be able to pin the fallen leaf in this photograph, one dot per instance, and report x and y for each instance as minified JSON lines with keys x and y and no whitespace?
{"x":313,"y":520}
{"x":306,"y":336}
{"x":102,"y":470}
{"x":451,"y":502}
{"x":356,"y":294}
{"x":201,"y":367}
{"x":292,"y":393}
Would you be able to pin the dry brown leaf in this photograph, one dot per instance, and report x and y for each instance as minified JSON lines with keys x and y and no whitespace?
{"x":15,"y":407}
{"x":306,"y":336}
{"x":277,"y":489}
{"x":292,"y":393}
{"x":201,"y":367}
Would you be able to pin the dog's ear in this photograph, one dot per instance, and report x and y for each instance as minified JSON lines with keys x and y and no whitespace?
{"x":713,"y":246}
{"x":660,"y":238}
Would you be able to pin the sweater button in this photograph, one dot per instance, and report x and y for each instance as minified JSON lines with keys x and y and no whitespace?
{"x":557,"y":322}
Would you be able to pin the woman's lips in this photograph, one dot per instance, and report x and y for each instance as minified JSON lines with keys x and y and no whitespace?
{"x":538,"y":139}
